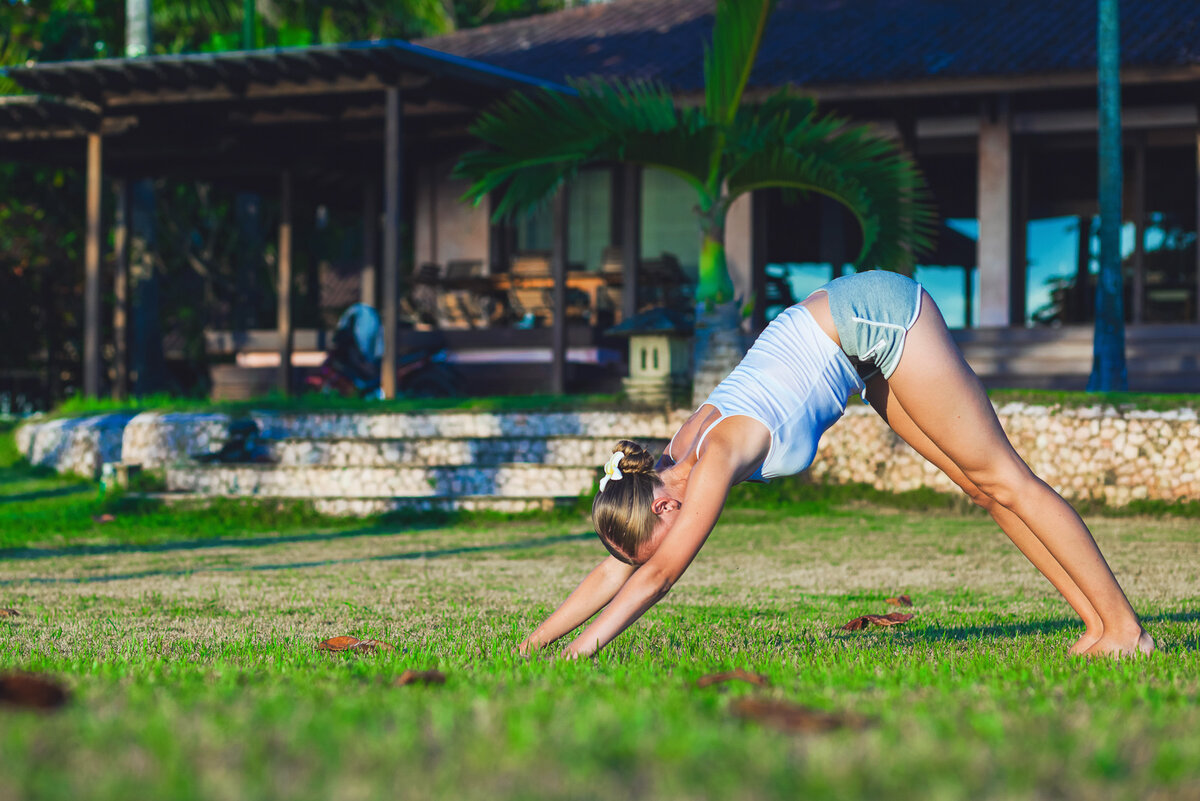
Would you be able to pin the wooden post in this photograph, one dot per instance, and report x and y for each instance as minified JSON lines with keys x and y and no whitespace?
{"x":631,"y":237}
{"x":558,"y":269}
{"x":1196,"y":296}
{"x":1138,"y":213}
{"x":284,"y":289}
{"x":120,"y":388}
{"x":370,"y":246}
{"x":391,"y":238}
{"x":91,"y":272}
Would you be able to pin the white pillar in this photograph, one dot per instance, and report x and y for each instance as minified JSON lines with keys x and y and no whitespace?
{"x":739,"y":239}
{"x":995,"y":217}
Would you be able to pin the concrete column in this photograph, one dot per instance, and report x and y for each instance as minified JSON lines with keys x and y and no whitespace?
{"x":558,"y":268}
{"x":739,"y":253}
{"x":995,"y":216}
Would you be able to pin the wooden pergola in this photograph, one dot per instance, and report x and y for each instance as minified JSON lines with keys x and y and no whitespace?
{"x":262,"y":120}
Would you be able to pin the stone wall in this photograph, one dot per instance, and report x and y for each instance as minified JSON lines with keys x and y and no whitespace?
{"x":1097,"y":453}
{"x":1093,"y":453}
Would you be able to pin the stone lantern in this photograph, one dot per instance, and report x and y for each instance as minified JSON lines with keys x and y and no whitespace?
{"x":660,"y":355}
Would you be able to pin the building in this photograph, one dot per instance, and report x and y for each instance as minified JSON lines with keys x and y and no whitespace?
{"x":997,"y":101}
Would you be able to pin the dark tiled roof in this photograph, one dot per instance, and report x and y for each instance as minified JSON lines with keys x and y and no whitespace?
{"x":825,"y":42}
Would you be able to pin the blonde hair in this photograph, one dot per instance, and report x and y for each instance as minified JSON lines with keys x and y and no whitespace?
{"x":622,"y":512}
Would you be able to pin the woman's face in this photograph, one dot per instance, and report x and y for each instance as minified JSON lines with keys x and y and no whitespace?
{"x":667,"y":509}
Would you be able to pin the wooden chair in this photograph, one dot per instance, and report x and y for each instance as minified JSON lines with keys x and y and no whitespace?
{"x":464,"y":290}
{"x":530,"y":300}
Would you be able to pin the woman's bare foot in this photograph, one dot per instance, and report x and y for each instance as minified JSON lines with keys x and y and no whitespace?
{"x":1089,"y":638}
{"x":1116,"y":646}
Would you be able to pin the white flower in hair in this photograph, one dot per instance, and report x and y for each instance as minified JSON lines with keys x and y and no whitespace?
{"x":611,"y":471}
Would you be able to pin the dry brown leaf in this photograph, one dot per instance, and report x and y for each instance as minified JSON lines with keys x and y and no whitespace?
{"x":900,"y":600}
{"x":348,"y":643}
{"x":104,"y":518}
{"x":31,"y":691}
{"x":891,"y":619}
{"x":9,"y":613}
{"x":733,"y":675}
{"x":790,"y":717}
{"x":420,"y":677}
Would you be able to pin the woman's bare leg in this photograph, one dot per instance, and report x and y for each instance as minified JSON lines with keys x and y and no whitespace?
{"x":945,"y":400}
{"x":894,"y":415}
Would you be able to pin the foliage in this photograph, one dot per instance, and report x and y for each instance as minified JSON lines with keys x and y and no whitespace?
{"x":536,"y":141}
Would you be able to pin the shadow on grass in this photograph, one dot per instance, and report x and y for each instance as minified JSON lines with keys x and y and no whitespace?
{"x":1013,"y":630}
{"x":37,"y":495}
{"x":436,"y":553}
{"x":384,"y":527}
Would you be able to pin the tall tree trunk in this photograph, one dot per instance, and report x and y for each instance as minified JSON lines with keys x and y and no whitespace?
{"x":1108,"y":359}
{"x":146,"y":348}
{"x":718,"y":344}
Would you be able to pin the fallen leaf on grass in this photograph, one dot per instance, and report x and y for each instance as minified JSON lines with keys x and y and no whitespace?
{"x":733,"y":675}
{"x":30,"y":691}
{"x":790,"y":717}
{"x":900,"y":600}
{"x":104,"y":518}
{"x":420,"y":677}
{"x":9,"y":613}
{"x":892,"y":619}
{"x":347,"y":643}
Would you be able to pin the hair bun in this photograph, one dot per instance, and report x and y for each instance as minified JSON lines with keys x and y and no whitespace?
{"x":637,"y":459}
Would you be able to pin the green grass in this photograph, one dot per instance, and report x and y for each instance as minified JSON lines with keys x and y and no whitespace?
{"x":316,"y":402}
{"x":193,"y":672}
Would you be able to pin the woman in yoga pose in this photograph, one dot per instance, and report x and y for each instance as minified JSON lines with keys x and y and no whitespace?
{"x":875,"y":333}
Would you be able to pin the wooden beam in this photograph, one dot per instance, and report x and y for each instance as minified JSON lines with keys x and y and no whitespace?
{"x":284,"y":288}
{"x":91,"y":271}
{"x":1196,"y":297}
{"x":120,"y":387}
{"x":631,"y":237}
{"x":369,"y":277}
{"x":558,"y":269}
{"x":392,"y":187}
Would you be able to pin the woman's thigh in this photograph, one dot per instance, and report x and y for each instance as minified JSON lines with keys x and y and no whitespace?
{"x":943,"y":397}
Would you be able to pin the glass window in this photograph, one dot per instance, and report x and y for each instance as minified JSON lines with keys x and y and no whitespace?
{"x":669,"y":222}
{"x":589,"y":226}
{"x":1170,"y":236}
{"x":949,"y":272}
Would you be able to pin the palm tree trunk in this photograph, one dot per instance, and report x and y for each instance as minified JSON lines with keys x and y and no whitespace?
{"x":718,"y":344}
{"x":1108,"y":359}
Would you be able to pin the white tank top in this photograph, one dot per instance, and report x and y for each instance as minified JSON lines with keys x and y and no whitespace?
{"x":795,"y":380}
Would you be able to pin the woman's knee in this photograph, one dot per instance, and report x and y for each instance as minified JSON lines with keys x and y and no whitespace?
{"x":1003,"y":485}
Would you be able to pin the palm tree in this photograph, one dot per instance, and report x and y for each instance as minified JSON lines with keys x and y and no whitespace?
{"x":723,"y":149}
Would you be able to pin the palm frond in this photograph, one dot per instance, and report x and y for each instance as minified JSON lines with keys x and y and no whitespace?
{"x":737,"y":34}
{"x":864,"y":172}
{"x":538,"y":139}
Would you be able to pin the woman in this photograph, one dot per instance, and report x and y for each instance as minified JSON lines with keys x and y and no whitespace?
{"x":764,"y":420}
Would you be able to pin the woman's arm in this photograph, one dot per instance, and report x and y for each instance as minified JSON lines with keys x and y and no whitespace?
{"x":708,"y":486}
{"x":589,"y":597}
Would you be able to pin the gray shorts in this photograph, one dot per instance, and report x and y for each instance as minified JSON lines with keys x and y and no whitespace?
{"x":872,"y":312}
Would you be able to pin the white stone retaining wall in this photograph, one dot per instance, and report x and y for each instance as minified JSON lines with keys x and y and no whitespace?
{"x":507,"y":481}
{"x":1090,"y":453}
{"x":563,"y":451}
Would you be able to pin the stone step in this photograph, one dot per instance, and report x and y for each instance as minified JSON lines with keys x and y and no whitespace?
{"x":316,"y":481}
{"x":365,"y":507}
{"x":615,"y":424}
{"x":447,"y":451}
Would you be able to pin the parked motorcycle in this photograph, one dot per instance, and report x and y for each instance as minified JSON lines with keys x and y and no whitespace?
{"x":352,"y":365}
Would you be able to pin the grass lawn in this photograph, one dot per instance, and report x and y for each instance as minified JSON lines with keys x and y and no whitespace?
{"x":187,"y":642}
